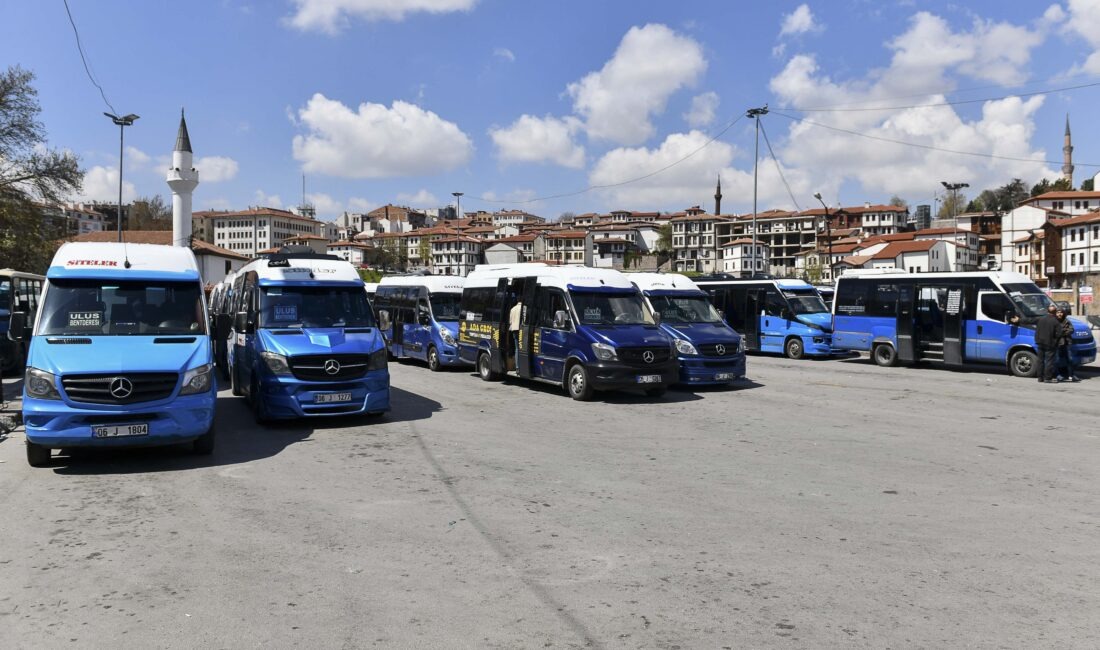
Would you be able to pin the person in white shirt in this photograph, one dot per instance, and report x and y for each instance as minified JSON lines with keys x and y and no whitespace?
{"x":513,"y":328}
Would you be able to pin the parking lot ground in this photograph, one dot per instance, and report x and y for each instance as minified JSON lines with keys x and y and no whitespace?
{"x":823,"y":504}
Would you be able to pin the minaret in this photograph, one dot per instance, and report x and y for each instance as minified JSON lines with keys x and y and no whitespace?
{"x":1067,"y":156}
{"x":183,"y":179}
{"x":718,"y":197}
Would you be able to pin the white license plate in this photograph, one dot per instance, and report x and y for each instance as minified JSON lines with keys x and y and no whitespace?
{"x":121,"y":431}
{"x":723,"y":376}
{"x":649,"y":379}
{"x":329,"y":398}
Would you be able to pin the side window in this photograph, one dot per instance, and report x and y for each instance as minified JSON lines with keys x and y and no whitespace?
{"x":996,"y":306}
{"x":422,"y":312}
{"x":884,"y":301}
{"x":851,"y":297}
{"x":774,"y":303}
{"x":550,"y":303}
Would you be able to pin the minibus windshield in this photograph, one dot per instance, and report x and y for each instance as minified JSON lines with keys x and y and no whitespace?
{"x":1028,"y":298}
{"x":91,"y":307}
{"x":805,"y":302}
{"x":296,"y":307}
{"x":684,"y":309}
{"x":610,"y":308}
{"x":445,"y":305}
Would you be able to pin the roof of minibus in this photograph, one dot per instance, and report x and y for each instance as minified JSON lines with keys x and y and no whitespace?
{"x":1000,"y":277}
{"x":304,"y":271}
{"x":434,"y":283}
{"x":123,"y":261}
{"x":782,"y":283}
{"x":662,"y":282}
{"x":569,"y":276}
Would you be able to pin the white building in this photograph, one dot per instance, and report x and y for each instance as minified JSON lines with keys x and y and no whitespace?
{"x":456,"y":255}
{"x":915,"y":256}
{"x":249,"y":231}
{"x":966,"y":245}
{"x":1018,"y":225}
{"x":515,"y":218}
{"x":694,"y":242}
{"x":352,"y":251}
{"x":737,"y":258}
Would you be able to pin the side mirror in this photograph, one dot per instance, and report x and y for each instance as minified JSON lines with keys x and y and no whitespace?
{"x":722,"y":314}
{"x":561,"y":319}
{"x":786,"y":314}
{"x":425,"y":320}
{"x":656,"y":318}
{"x":384,"y":319}
{"x":222,"y":325}
{"x":242,"y":324}
{"x":17,"y":326}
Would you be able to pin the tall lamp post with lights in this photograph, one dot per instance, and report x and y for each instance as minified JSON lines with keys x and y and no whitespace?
{"x":954,"y":189}
{"x":122,"y":122}
{"x":828,"y":235}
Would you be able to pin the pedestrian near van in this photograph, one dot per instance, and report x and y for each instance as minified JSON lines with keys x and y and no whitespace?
{"x":1046,"y":340}
{"x":513,"y":329}
{"x":1064,"y":363}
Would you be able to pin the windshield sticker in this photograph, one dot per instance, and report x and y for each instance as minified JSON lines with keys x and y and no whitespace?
{"x":286,"y":313}
{"x":593,"y":313}
{"x":81,"y":319}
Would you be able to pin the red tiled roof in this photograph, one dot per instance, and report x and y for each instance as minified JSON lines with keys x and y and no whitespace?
{"x":940,"y":231}
{"x":162,"y":237}
{"x":251,"y":212}
{"x":897,"y":248}
{"x":566,"y":234}
{"x":1062,"y":195}
{"x":1089,"y":217}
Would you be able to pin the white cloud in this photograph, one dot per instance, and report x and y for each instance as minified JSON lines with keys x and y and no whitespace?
{"x":361,"y":205}
{"x":799,"y":21}
{"x":540,"y":139}
{"x":376,"y":141}
{"x":327,"y":207}
{"x":101,"y":184}
{"x":136,"y":158}
{"x":1084,"y":21}
{"x":217,"y":203}
{"x":703,"y":109}
{"x":504,"y":53}
{"x":216,"y":169}
{"x":330,"y":16}
{"x":267,"y":200}
{"x":517,"y":195}
{"x":650,"y":64}
{"x":422,"y":199}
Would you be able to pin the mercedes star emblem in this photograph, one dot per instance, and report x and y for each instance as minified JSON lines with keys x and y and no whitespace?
{"x":647,"y":356}
{"x":121,"y":388}
{"x":332,"y":366}
{"x":720,"y":349}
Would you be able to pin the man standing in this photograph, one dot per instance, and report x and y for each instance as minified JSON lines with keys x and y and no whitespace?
{"x":513,"y":329}
{"x":1046,"y":340}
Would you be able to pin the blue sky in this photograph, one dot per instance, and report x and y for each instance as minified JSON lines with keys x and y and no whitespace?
{"x":408,"y":100}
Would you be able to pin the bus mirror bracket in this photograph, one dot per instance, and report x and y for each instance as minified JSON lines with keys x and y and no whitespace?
{"x":383,"y":319}
{"x":656,"y":318}
{"x":561,"y":320}
{"x":242,"y":324}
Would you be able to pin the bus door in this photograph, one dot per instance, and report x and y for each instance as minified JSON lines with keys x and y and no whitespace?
{"x":419,"y":329}
{"x":752,"y":307}
{"x":938,"y":325}
{"x":907,"y":347}
{"x":550,"y":344}
{"x":954,"y":315}
{"x":528,"y":322}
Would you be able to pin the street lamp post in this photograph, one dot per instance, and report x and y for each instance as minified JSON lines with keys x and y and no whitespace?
{"x":755,"y":114}
{"x":954,"y":189}
{"x":122,"y":122}
{"x":458,"y":204}
{"x":828,"y":234}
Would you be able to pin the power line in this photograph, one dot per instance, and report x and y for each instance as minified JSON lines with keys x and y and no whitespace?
{"x":84,"y":60}
{"x":946,"y":103}
{"x":925,"y":146}
{"x":779,"y":169}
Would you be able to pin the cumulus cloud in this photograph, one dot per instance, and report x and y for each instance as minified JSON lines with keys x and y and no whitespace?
{"x":703,"y":109}
{"x":267,"y":200}
{"x":516,"y":195}
{"x":325,"y":205}
{"x":422,"y":199}
{"x":359,"y":204}
{"x":540,"y":139}
{"x":650,"y":64}
{"x":1084,"y":21}
{"x":377,"y":142}
{"x":136,"y":158}
{"x":799,"y":21}
{"x":504,"y":53}
{"x":101,"y":184}
{"x":216,"y":169}
{"x":331,"y":16}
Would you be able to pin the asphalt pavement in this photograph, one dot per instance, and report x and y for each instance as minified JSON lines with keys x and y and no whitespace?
{"x":822,"y":504}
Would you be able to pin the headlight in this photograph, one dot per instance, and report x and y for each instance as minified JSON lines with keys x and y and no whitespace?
{"x":196,"y":380}
{"x":41,"y":384}
{"x":685,"y":347}
{"x":276,"y":363}
{"x":377,"y":360}
{"x":445,"y":334}
{"x":604,"y":352}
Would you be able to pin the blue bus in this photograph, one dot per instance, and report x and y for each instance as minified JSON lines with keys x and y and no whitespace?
{"x":774,"y":315}
{"x":419,"y":317}
{"x":120,"y":354}
{"x":19,"y":293}
{"x":303,"y":340}
{"x":709,"y":350}
{"x":579,"y":328}
{"x":946,"y":318}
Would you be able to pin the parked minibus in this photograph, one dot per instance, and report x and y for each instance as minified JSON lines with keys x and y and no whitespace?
{"x":419,"y":317}
{"x":773,"y":315}
{"x":119,"y":353}
{"x":303,"y":340}
{"x":19,"y":293}
{"x":221,"y":303}
{"x":581,"y":328}
{"x":371,"y":288}
{"x":947,"y":318}
{"x":826,"y":292}
{"x":709,"y":350}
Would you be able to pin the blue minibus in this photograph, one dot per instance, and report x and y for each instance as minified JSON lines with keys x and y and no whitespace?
{"x":303,"y":340}
{"x":19,"y":293}
{"x":419,"y":317}
{"x":773,"y":315}
{"x":580,"y":328}
{"x":709,"y":350}
{"x":119,"y":353}
{"x":947,"y":318}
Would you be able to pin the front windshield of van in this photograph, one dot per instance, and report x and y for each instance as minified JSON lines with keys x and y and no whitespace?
{"x":296,"y":307}
{"x":804,"y":302}
{"x":685,"y":309}
{"x":596,"y":308}
{"x":1028,"y":298}
{"x":445,"y":305}
{"x":111,"y":307}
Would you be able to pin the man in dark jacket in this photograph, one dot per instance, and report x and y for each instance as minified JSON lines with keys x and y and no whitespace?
{"x":1046,"y":340}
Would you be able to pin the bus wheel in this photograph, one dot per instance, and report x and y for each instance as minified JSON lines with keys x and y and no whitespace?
{"x":37,"y":455}
{"x":576,"y":382}
{"x":1024,"y":363}
{"x":794,"y":349}
{"x":885,"y":355}
{"x":485,"y":368}
{"x":433,"y":360}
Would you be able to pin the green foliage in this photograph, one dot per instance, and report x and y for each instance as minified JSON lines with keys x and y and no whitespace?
{"x":898,"y":202}
{"x":150,"y":214}
{"x":1044,"y":186}
{"x":1086,"y":185}
{"x":664,"y":239}
{"x":370,"y":275}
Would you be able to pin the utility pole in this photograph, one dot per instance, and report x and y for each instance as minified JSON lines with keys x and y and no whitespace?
{"x":828,"y":234}
{"x":122,"y":122}
{"x":458,"y":204}
{"x":954,"y":189}
{"x":755,"y":114}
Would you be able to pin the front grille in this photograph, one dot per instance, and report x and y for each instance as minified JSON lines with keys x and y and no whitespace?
{"x":636,"y":356}
{"x":711,"y":349}
{"x":315,"y":367}
{"x":129,"y":388}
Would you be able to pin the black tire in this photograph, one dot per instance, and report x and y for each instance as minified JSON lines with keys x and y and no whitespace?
{"x":656,"y":392}
{"x":576,"y":382}
{"x":885,"y":355}
{"x":37,"y":455}
{"x":794,"y":349}
{"x":485,"y":368}
{"x":433,"y":359}
{"x":235,"y":382}
{"x":204,"y":444}
{"x":256,"y":403}
{"x":1024,"y":363}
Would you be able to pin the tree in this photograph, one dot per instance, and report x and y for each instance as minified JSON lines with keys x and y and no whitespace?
{"x":898,"y":202}
{"x":1087,"y":185}
{"x":1044,"y":186}
{"x":425,"y":251}
{"x":30,"y":175}
{"x":952,"y":205}
{"x":150,"y":214}
{"x":664,"y":239}
{"x":566,"y":215}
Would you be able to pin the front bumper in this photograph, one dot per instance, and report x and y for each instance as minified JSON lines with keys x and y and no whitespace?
{"x":819,"y":345}
{"x":55,"y":424}
{"x":288,"y":398}
{"x":614,"y":375}
{"x":448,"y":356}
{"x":1083,"y":353}
{"x":701,"y":371}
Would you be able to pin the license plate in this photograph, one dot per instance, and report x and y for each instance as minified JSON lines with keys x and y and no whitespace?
{"x":329,"y":398}
{"x":723,"y":376}
{"x":121,"y":431}
{"x":649,"y":379}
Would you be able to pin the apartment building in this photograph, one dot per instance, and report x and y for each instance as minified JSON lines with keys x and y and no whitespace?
{"x":456,"y":255}
{"x":248,"y":231}
{"x":515,"y":218}
{"x":355,"y":252}
{"x":568,"y":247}
{"x":695,"y":241}
{"x":737,"y":258}
{"x":784,"y":234}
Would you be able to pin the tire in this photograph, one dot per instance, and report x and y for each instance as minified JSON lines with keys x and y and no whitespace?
{"x":485,"y":368}
{"x":794,"y":349}
{"x":204,"y":444}
{"x":656,"y":392}
{"x":37,"y":455}
{"x":576,"y":382}
{"x":257,"y":405}
{"x":433,"y":359}
{"x":885,"y":355}
{"x":1024,"y":363}
{"x":234,"y":382}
